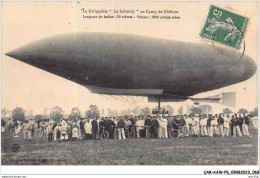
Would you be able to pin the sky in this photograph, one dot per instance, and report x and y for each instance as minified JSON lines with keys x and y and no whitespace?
{"x":35,"y":89}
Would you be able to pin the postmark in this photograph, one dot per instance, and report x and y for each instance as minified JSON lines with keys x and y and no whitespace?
{"x":225,"y":27}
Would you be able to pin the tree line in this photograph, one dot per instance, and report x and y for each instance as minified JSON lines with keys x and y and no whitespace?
{"x":57,"y":113}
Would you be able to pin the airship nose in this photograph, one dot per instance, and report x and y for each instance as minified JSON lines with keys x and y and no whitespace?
{"x":40,"y":54}
{"x":241,"y":70}
{"x":24,"y":54}
{"x":12,"y":54}
{"x":55,"y":55}
{"x":247,"y":67}
{"x":46,"y":53}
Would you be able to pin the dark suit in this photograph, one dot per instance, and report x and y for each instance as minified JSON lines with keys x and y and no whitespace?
{"x":110,"y":128}
{"x":147,"y":124}
{"x":94,"y":129}
{"x":240,"y":122}
{"x":154,"y":128}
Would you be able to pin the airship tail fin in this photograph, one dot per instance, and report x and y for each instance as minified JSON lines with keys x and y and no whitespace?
{"x":227,"y":99}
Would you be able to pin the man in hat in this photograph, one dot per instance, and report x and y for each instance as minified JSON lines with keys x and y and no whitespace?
{"x":154,"y":127}
{"x":236,"y":128}
{"x":16,"y":127}
{"x":102,"y":125}
{"x":203,"y":126}
{"x":221,"y":125}
{"x":127,"y":126}
{"x":27,"y":130}
{"x":75,"y":133}
{"x":133,"y":126}
{"x":147,"y":124}
{"x":210,"y":134}
{"x":110,"y":127}
{"x":57,"y":132}
{"x":49,"y":131}
{"x":120,"y":128}
{"x":94,"y":130}
{"x":231,"y":124}
{"x":69,"y":130}
{"x":182,"y":124}
{"x":88,"y":129}
{"x":63,"y":131}
{"x":10,"y":126}
{"x":162,"y":127}
{"x":115,"y":120}
{"x":213,"y":127}
{"x":189,"y":123}
{"x":240,"y":122}
{"x":194,"y":127}
{"x":245,"y":125}
{"x":254,"y":120}
{"x":226,"y":125}
{"x":139,"y":126}
{"x":3,"y":124}
{"x":79,"y":124}
{"x":197,"y":127}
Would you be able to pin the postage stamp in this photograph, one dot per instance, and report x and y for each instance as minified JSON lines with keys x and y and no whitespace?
{"x":224,"y":27}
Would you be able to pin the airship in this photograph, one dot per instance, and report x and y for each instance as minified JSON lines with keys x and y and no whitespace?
{"x":123,"y":64}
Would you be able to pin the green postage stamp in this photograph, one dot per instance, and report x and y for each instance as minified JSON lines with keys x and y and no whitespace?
{"x":224,"y":27}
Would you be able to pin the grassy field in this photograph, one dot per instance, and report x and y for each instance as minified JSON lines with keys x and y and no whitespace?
{"x":181,"y":151}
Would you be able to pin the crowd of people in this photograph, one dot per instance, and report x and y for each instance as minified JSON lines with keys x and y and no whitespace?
{"x":122,"y":127}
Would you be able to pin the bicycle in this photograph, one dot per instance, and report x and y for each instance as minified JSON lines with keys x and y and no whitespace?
{"x":104,"y":134}
{"x":174,"y":133}
{"x":180,"y":132}
{"x":38,"y":132}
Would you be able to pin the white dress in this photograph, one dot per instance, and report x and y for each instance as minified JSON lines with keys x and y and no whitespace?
{"x":75,"y":132}
{"x":88,"y":128}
